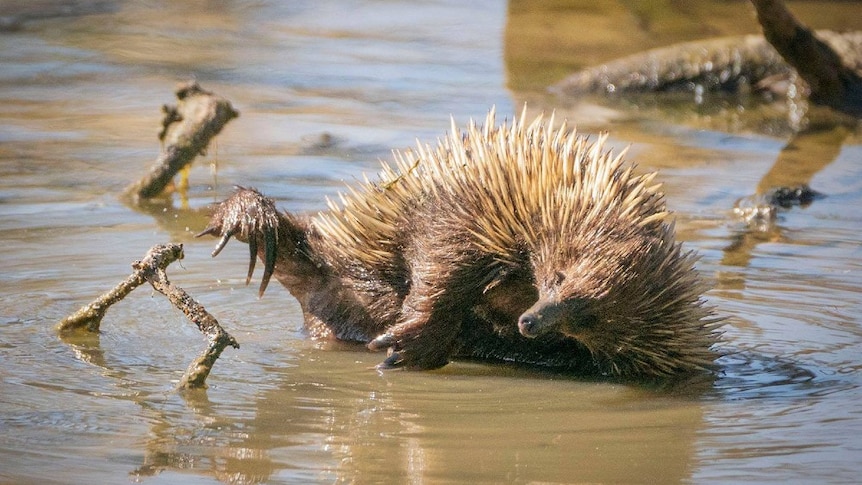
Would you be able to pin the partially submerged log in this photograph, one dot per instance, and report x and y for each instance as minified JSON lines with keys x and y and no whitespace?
{"x":730,"y":64}
{"x":829,"y":64}
{"x":186,"y":132}
{"x":151,"y":269}
{"x":727,"y":64}
{"x":833,"y":70}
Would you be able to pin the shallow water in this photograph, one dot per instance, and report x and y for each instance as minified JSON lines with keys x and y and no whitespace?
{"x":81,"y":87}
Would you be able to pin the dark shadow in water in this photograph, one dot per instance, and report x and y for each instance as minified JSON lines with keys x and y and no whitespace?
{"x":806,"y":154}
{"x":15,"y":16}
{"x":346,"y":423}
{"x":313,"y":426}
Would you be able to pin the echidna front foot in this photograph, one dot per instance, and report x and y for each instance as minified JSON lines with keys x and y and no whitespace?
{"x":383,"y":342}
{"x":393,"y":361}
{"x":252,"y":218}
{"x":411,"y":352}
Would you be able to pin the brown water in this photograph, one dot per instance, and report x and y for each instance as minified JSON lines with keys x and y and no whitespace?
{"x":81,"y":85}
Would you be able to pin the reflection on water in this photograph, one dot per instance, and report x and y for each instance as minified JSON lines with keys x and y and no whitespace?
{"x":344,"y":423}
{"x":324,"y":90}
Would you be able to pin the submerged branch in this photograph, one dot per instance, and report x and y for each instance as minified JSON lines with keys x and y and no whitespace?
{"x":152,"y":269}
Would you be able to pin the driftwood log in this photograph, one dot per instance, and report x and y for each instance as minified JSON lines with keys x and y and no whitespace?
{"x":151,"y":269}
{"x":833,"y":71}
{"x":829,"y":64}
{"x":187,"y":129}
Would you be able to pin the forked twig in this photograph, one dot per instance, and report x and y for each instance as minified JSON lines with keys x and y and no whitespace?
{"x":152,"y":269}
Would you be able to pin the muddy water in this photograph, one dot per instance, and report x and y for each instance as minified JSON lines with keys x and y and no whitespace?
{"x":324,"y":91}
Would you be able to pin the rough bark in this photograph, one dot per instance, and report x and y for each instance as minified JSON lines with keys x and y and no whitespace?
{"x":832,"y":79}
{"x":152,"y":269}
{"x":186,"y":131}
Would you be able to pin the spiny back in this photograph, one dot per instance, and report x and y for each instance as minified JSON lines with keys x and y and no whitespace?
{"x":513,"y":183}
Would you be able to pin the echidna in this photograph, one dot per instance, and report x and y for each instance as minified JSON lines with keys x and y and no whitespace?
{"x":523,"y":243}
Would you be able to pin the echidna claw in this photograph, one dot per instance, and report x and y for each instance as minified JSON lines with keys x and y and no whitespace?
{"x":269,"y":256}
{"x":209,"y":231}
{"x":382,"y":342}
{"x":252,"y":251}
{"x":249,"y":217}
{"x":393,"y":361}
{"x":223,"y":242}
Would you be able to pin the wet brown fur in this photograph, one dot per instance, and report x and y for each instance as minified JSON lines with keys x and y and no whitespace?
{"x":523,"y":243}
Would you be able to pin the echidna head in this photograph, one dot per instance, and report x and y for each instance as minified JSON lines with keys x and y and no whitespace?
{"x":580,"y":288}
{"x":632,"y":298}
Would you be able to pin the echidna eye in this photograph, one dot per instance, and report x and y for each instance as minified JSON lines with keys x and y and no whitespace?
{"x":559,"y":277}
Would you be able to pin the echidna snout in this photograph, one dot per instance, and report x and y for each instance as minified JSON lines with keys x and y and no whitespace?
{"x":547,"y":315}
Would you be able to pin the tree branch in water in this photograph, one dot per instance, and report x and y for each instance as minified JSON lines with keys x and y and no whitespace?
{"x":152,"y":269}
{"x":186,"y":131}
{"x":828,"y":72}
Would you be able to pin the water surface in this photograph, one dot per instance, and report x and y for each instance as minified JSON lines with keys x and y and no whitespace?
{"x":82,"y":84}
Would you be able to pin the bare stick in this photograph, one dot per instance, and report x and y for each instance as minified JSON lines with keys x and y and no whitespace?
{"x":186,"y":131}
{"x":199,"y":369}
{"x":90,"y":317}
{"x":152,"y":269}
